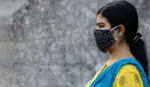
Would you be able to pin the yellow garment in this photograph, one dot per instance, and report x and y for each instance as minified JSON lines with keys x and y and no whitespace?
{"x":128,"y":76}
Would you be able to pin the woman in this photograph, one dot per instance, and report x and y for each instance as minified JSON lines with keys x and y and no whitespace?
{"x":116,"y":32}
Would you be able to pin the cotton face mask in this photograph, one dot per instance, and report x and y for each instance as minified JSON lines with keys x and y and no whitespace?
{"x":104,"y":39}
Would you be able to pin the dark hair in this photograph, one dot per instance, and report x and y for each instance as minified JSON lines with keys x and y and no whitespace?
{"x":124,"y":13}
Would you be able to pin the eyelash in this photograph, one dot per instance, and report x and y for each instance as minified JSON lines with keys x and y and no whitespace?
{"x":100,"y":26}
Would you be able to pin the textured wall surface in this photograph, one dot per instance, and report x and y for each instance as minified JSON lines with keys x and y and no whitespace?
{"x":49,"y":43}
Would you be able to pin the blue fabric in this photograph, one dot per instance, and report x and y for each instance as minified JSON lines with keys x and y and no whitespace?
{"x":107,"y":77}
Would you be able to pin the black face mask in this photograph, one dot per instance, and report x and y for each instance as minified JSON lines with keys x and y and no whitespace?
{"x":104,"y":39}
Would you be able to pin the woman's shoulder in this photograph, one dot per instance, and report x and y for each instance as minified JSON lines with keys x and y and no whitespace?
{"x":128,"y":68}
{"x":128,"y":76}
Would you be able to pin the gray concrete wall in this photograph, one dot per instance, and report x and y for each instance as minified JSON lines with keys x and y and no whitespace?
{"x":49,"y":43}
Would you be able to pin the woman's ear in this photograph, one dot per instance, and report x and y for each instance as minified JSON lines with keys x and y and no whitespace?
{"x":119,"y":34}
{"x":121,"y":30}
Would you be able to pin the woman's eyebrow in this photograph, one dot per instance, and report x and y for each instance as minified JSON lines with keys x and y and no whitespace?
{"x":100,"y":23}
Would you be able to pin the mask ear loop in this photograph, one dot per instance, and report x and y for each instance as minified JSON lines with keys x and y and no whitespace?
{"x":114,"y":29}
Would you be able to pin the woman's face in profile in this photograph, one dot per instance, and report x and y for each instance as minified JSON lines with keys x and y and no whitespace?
{"x":103,"y":24}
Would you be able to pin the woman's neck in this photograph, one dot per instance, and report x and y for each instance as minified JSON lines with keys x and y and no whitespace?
{"x":121,"y":51}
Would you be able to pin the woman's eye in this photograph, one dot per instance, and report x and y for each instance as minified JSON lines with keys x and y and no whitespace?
{"x":100,"y":26}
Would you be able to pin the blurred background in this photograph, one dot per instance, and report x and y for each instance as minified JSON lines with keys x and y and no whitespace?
{"x":50,"y":43}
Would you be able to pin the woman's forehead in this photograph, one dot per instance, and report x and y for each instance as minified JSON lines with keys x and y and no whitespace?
{"x":100,"y":18}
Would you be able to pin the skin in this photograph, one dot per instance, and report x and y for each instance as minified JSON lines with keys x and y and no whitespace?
{"x":120,"y":48}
